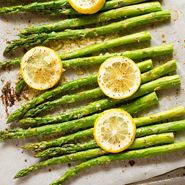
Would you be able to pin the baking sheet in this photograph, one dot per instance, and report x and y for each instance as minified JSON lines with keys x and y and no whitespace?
{"x":12,"y":159}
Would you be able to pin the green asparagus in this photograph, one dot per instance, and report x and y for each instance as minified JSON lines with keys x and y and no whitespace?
{"x":141,"y":153}
{"x":43,"y":38}
{"x":133,"y":38}
{"x":142,"y":121}
{"x":18,"y":114}
{"x":161,"y":128}
{"x":36,"y":6}
{"x":92,"y":153}
{"x":150,"y":52}
{"x":166,"y":115}
{"x":20,"y":85}
{"x":66,"y":149}
{"x":75,"y":125}
{"x":177,"y":112}
{"x":73,"y":148}
{"x":67,"y":99}
{"x":63,"y":7}
{"x":162,"y":83}
{"x":108,"y":6}
{"x":14,"y":62}
{"x":61,"y":89}
{"x":140,"y":132}
{"x":145,"y":65}
{"x":90,"y":94}
{"x":120,"y":13}
{"x":102,"y":104}
{"x":159,"y":71}
{"x":97,"y":60}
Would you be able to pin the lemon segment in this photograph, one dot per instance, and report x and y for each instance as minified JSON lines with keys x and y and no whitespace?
{"x":41,"y":68}
{"x":87,"y":6}
{"x":114,"y":130}
{"x":119,"y":77}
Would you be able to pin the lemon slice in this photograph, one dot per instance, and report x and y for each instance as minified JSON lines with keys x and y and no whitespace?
{"x":114,"y":130}
{"x":87,"y":6}
{"x":119,"y":77}
{"x":41,"y":68}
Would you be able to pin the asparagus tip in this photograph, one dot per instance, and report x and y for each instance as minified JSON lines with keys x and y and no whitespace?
{"x":2,"y":136}
{"x":37,"y":155}
{"x":10,"y":119}
{"x":21,"y":173}
{"x":29,"y":147}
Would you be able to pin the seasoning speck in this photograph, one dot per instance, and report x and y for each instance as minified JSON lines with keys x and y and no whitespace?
{"x":131,"y":162}
{"x":69,"y":164}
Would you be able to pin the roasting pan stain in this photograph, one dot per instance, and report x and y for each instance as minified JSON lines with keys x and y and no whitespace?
{"x":8,"y":96}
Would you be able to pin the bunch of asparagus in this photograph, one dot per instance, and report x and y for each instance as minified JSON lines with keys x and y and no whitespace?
{"x":64,"y":149}
{"x":141,"y":14}
{"x":43,"y":38}
{"x":146,"y":136}
{"x":139,"y":54}
{"x":73,"y":131}
{"x":61,"y":7}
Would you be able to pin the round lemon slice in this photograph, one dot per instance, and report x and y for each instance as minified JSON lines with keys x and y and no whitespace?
{"x":41,"y":68}
{"x":87,"y":6}
{"x":119,"y":77}
{"x":114,"y":130}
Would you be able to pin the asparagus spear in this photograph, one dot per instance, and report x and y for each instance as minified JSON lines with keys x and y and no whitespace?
{"x":97,"y":60}
{"x":94,"y":93}
{"x":177,"y":112}
{"x":141,"y":153}
{"x":82,"y":135}
{"x":166,"y":115}
{"x":161,"y":128}
{"x":66,"y":149}
{"x":133,"y":38}
{"x":14,"y":62}
{"x":108,"y":6}
{"x":67,"y":99}
{"x":135,"y":55}
{"x":36,"y":6}
{"x":145,"y":65}
{"x":61,"y":89}
{"x":84,"y":155}
{"x":159,"y":71}
{"x":119,"y":13}
{"x":103,"y":103}
{"x":75,"y":125}
{"x":89,"y":32}
{"x":142,"y":142}
{"x":20,"y":85}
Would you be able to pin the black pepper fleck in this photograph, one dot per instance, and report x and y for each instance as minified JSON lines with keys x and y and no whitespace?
{"x":131,"y":162}
{"x":69,"y":164}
